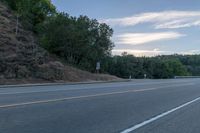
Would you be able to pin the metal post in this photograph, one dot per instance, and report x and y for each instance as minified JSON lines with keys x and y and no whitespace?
{"x":98,"y":67}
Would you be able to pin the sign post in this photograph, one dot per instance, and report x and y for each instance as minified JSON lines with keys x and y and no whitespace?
{"x":145,"y":76}
{"x":98,"y":66}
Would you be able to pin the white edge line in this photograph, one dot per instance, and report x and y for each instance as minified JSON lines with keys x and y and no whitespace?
{"x":158,"y":117}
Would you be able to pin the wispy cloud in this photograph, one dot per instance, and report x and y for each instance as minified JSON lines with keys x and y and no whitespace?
{"x":141,"y":38}
{"x":178,"y":24}
{"x":191,"y":52}
{"x":153,"y":52}
{"x":165,"y":19}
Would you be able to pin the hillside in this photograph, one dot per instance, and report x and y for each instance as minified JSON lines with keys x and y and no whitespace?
{"x":22,"y":60}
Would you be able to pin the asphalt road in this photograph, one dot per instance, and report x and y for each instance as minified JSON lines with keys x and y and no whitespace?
{"x":139,"y":106}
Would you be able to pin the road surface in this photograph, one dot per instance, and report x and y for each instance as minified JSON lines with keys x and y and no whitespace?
{"x":139,"y":106}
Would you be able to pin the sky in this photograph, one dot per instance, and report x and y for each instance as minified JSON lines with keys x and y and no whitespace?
{"x":144,"y":27}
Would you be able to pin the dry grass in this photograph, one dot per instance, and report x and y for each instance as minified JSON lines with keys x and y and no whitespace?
{"x":22,"y":60}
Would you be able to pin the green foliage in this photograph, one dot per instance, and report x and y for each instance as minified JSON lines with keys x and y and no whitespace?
{"x":154,"y":67}
{"x":80,"y":41}
{"x":191,"y":62}
{"x":32,"y":12}
{"x":126,"y":65}
{"x":83,"y":41}
{"x":168,"y":68}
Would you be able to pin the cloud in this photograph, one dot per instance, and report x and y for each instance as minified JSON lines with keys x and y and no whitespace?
{"x":153,"y":52}
{"x":177,"y":24}
{"x":191,"y":52}
{"x":141,"y":38}
{"x":160,"y":20}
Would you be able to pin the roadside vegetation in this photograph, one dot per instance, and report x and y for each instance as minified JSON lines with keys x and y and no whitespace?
{"x":81,"y":42}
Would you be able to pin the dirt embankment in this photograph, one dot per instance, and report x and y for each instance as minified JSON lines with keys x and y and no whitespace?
{"x":22,"y":60}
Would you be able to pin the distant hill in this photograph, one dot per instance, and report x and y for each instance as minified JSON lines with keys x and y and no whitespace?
{"x":22,"y":60}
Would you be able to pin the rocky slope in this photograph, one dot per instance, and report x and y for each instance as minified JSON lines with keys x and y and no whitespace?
{"x":22,"y":60}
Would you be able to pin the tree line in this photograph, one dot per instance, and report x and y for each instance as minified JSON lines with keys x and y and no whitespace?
{"x":81,"y":42}
{"x":153,"y":67}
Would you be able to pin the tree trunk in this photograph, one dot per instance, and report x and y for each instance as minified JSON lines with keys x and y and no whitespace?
{"x":17,"y":25}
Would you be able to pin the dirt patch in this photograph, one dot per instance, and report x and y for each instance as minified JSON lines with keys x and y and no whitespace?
{"x":22,"y":60}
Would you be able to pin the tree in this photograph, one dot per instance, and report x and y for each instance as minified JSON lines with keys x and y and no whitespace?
{"x":80,"y":41}
{"x":31,"y":12}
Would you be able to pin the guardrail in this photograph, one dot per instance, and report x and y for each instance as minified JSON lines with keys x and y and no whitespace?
{"x":179,"y":77}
